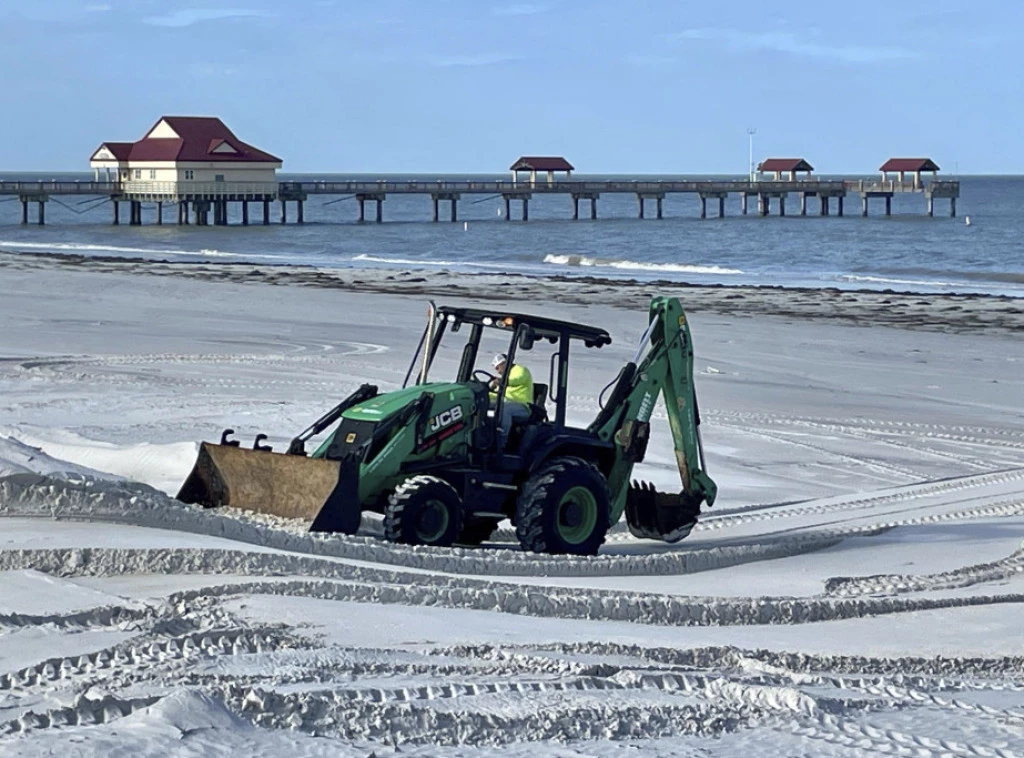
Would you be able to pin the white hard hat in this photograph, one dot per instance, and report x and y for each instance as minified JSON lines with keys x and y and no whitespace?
{"x":499,"y":359}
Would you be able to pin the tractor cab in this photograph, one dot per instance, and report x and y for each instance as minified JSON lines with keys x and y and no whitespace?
{"x":517,"y":335}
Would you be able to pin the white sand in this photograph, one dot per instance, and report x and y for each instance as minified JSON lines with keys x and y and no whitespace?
{"x":876,"y":609}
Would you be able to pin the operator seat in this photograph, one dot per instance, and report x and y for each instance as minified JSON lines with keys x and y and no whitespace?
{"x":538,"y":415}
{"x":538,"y":412}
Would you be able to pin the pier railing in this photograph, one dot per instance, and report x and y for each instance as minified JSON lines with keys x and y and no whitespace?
{"x":58,"y":188}
{"x":201,"y":190}
{"x":169,"y":190}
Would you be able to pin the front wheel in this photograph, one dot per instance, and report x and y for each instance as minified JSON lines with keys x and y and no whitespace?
{"x":424,"y":510}
{"x":564,"y":508}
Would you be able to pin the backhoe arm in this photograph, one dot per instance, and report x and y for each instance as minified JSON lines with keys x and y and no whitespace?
{"x":663,"y":366}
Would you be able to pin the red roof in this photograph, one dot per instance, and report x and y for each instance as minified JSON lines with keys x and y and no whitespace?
{"x":542,"y":163}
{"x":909,"y":164}
{"x":119,"y":150}
{"x":784,"y":164}
{"x":199,"y":138}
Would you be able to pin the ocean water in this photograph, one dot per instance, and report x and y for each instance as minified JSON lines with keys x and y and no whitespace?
{"x":905,"y":252}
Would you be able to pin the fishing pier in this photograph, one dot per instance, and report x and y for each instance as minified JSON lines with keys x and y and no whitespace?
{"x":201,"y":203}
{"x":196,"y":168}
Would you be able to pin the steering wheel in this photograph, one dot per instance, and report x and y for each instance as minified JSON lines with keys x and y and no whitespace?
{"x":489,"y":377}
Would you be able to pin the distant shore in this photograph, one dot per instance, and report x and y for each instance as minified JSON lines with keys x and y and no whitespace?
{"x":957,"y":313}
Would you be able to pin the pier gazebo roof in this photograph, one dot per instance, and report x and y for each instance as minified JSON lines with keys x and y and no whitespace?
{"x":784,"y":164}
{"x":909,"y":164}
{"x":542,"y":163}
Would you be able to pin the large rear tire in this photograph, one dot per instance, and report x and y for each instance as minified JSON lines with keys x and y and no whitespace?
{"x":564,"y":508}
{"x":423,"y":510}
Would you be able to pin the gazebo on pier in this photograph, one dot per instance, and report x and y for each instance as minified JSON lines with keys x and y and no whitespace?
{"x":533,"y":164}
{"x":779,"y":166}
{"x":903,"y":166}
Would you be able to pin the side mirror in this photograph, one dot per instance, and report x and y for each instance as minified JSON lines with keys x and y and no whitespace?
{"x":527,"y":338}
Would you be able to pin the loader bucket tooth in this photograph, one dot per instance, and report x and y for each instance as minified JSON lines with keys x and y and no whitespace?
{"x":660,"y":515}
{"x":289,"y":486}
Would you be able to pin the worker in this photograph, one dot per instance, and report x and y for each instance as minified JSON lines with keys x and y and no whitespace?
{"x":518,"y":394}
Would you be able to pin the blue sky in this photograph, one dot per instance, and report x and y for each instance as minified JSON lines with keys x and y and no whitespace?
{"x":644,"y":86}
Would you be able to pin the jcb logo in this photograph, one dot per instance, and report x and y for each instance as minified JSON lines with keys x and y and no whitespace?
{"x":446,"y":418}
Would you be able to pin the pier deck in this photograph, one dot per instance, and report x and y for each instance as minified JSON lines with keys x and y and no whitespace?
{"x":206,"y":196}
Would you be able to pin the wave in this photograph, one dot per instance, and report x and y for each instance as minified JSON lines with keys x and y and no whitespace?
{"x":680,"y":268}
{"x":364,"y":258}
{"x":83,"y":247}
{"x":891,"y":280}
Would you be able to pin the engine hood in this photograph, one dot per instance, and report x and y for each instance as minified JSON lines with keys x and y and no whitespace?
{"x":383,"y":406}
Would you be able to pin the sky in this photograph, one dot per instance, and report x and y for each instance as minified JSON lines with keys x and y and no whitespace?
{"x":456,"y":86}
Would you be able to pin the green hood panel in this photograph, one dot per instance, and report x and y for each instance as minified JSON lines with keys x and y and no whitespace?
{"x":382,"y":406}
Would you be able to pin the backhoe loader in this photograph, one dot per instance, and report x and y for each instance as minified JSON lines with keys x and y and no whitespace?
{"x":429,"y":457}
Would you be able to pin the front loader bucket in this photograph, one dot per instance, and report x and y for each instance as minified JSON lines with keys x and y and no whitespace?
{"x":657,"y":515}
{"x":290,"y":486}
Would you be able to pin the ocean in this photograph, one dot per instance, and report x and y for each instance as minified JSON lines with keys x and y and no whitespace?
{"x":905,"y":252}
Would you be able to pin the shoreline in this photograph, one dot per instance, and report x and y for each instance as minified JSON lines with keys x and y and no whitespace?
{"x":946,"y":312}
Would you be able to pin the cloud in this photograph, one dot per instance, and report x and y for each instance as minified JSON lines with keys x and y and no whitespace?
{"x":484,"y":59}
{"x":99,"y":8}
{"x":189,"y":16}
{"x":520,"y":10}
{"x":788,"y":42}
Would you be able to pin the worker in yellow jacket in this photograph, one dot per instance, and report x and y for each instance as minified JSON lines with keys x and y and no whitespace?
{"x":518,"y":394}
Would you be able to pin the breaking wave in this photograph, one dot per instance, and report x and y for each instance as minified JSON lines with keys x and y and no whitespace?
{"x":364,"y":258}
{"x":891,"y":280}
{"x":681,"y":268}
{"x":83,"y":247}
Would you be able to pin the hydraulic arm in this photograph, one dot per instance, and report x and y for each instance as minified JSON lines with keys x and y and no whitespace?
{"x":663,"y":366}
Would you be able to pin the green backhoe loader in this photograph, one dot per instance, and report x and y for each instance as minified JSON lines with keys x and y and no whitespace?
{"x":430,"y":459}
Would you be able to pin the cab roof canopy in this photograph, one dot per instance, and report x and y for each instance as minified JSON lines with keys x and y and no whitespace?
{"x":544,"y":328}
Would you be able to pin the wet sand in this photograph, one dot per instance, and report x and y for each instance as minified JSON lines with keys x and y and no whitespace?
{"x":952,"y":313}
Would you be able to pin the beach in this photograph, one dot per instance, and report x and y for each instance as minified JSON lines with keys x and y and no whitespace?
{"x":856,"y":587}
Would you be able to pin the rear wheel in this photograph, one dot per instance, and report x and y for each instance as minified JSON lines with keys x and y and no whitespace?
{"x":423,"y":510}
{"x":564,"y":508}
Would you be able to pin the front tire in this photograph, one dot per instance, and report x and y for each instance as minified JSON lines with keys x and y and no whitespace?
{"x":423,"y":510}
{"x":564,"y":508}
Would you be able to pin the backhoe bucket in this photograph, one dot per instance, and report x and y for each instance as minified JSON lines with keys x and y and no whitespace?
{"x":657,"y":515}
{"x":290,"y":486}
